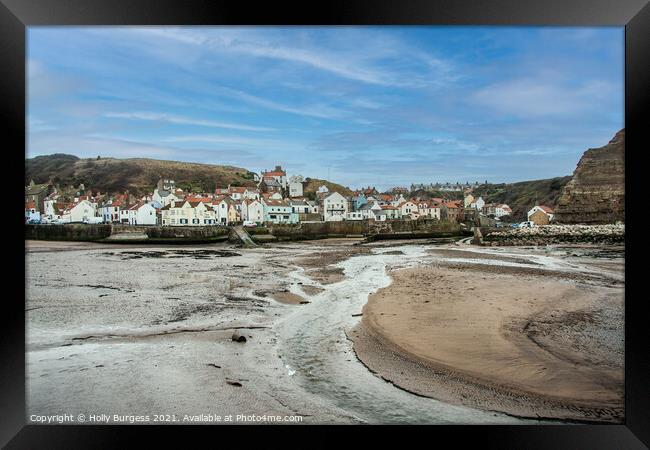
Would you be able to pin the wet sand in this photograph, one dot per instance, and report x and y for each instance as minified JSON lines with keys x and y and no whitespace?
{"x":322,"y":266}
{"x":522,"y":341}
{"x":288,"y":298}
{"x":154,"y":324}
{"x":143,"y":330}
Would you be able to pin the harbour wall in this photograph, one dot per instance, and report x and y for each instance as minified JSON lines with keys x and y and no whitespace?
{"x":272,"y":232}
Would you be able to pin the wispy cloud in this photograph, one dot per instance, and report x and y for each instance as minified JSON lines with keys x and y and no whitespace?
{"x":534,"y":97}
{"x":239,"y":141}
{"x":397,"y":104}
{"x":353,"y":65}
{"x":318,"y":111}
{"x":170,"y":118}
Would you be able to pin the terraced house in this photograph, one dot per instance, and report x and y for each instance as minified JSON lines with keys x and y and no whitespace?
{"x":279,"y":211}
{"x":188,"y":213}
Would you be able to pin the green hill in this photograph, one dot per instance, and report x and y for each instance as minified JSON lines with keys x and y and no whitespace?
{"x":523,"y":195}
{"x":138,"y":175}
{"x":312,"y":185}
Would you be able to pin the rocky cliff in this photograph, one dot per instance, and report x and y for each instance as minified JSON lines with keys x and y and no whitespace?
{"x":596,"y":192}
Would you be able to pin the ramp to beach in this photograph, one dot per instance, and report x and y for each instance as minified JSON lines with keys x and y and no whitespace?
{"x":243,"y":236}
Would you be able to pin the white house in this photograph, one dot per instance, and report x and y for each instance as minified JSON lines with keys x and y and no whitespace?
{"x":127,"y":215}
{"x":541,"y":214}
{"x":278,"y":175}
{"x":251,"y":194}
{"x":279,"y":211}
{"x":335,"y":207}
{"x":478,"y":203}
{"x":165,"y":197}
{"x":313,"y":207}
{"x":49,"y":207}
{"x":237,"y":192}
{"x":368,"y":210}
{"x":354,"y":215}
{"x":79,"y":212}
{"x":409,"y":208}
{"x":188,"y":213}
{"x":31,"y":213}
{"x":429,"y":208}
{"x":501,"y":210}
{"x":300,"y":206}
{"x":380,"y":216}
{"x":391,"y":212}
{"x":252,"y":210}
{"x":221,"y":207}
{"x":110,"y":211}
{"x":144,"y":214}
{"x":397,"y":200}
{"x":364,"y":212}
{"x":295,"y":186}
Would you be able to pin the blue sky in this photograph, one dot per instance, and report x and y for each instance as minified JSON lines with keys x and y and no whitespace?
{"x":380,"y":106}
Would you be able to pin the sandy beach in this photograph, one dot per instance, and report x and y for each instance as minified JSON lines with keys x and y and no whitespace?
{"x":522,"y":341}
{"x":463,"y":335}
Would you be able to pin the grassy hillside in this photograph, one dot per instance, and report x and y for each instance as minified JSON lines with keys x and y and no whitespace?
{"x":138,"y":175}
{"x":524,"y":195}
{"x":312,"y":185}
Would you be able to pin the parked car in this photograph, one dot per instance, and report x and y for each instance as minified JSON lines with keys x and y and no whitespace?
{"x":249,"y":223}
{"x":33,"y":221}
{"x":527,"y":224}
{"x":93,"y":220}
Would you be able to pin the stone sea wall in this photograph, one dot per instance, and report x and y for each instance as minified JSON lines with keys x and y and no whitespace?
{"x":558,"y":234}
{"x":67,"y":232}
{"x":130,"y":233}
{"x":398,"y":229}
{"x":284,"y":232}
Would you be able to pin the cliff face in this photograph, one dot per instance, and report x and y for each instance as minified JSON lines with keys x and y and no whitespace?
{"x":596,"y":192}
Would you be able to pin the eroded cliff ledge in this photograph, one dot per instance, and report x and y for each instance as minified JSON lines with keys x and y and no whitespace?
{"x":596,"y":193}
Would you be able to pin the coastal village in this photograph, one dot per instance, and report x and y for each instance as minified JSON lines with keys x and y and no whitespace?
{"x":276,"y":199}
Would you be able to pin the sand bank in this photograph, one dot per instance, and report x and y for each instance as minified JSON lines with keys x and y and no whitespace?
{"x":527,"y":345}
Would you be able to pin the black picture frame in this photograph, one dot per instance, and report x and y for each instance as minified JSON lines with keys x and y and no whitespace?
{"x":17,"y":15}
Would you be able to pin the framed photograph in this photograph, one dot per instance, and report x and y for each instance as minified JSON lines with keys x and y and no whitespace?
{"x":342,"y":214}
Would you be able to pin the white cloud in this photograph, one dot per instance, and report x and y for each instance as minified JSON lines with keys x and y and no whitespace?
{"x":358,"y":64}
{"x":258,"y":144}
{"x":532,"y":97}
{"x":318,"y":111}
{"x":181,"y":120}
{"x":85,"y":146}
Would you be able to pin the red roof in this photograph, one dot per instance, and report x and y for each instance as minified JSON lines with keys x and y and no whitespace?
{"x":546,"y":209}
{"x":198,"y":199}
{"x":453,"y":204}
{"x":30,"y":205}
{"x":137,"y":206}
